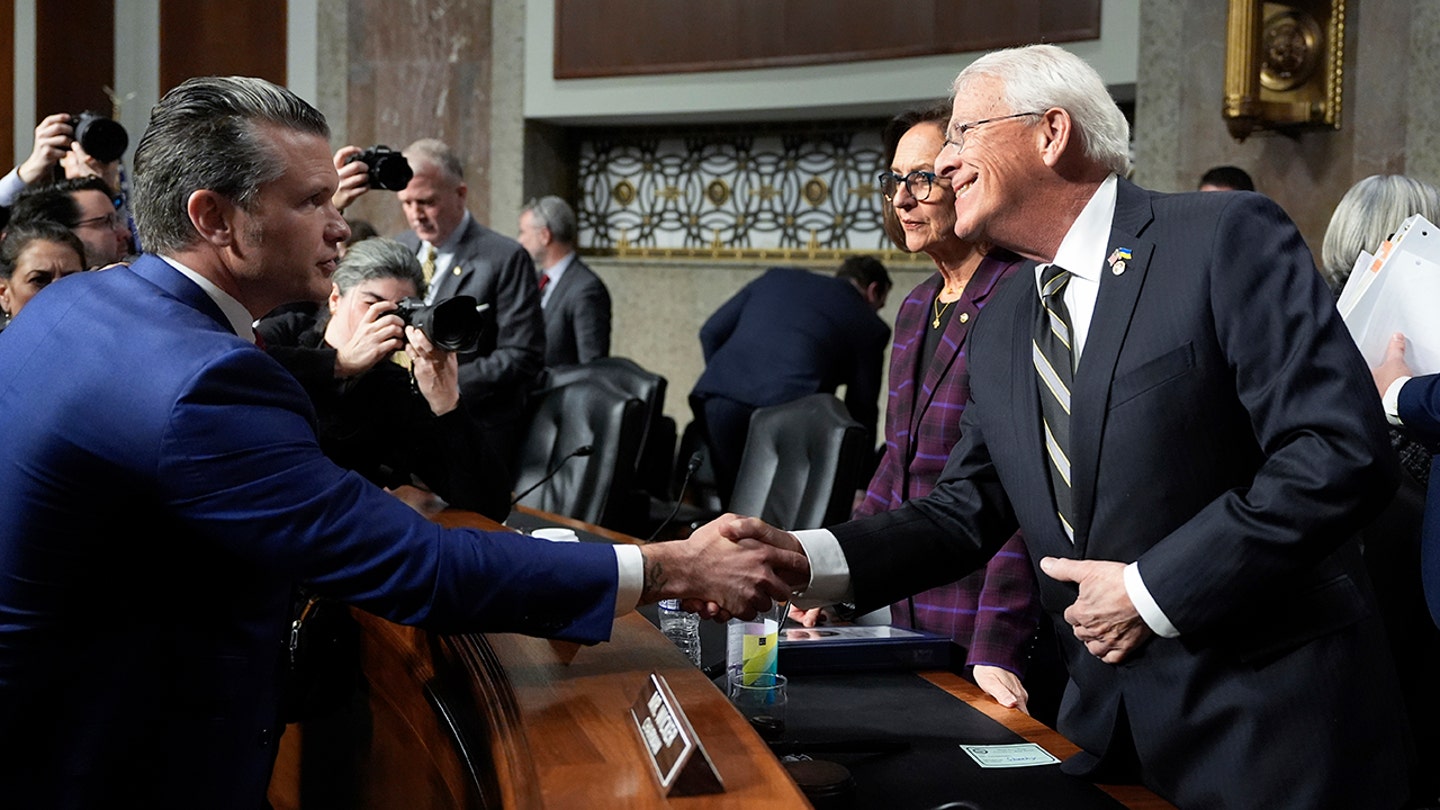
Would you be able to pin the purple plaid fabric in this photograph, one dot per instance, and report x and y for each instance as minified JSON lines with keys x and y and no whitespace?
{"x":992,"y":612}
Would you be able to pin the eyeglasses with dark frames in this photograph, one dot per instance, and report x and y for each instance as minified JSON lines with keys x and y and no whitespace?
{"x":918,"y":183}
{"x":955,"y":136}
{"x":109,"y":221}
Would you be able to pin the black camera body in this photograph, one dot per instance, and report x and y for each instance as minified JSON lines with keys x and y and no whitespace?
{"x":100,"y":137}
{"x":388,"y":168}
{"x":453,"y":324}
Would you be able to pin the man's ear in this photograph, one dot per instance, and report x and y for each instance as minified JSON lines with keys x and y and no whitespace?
{"x":1053,"y":134}
{"x":213,"y":216}
{"x":5,"y":296}
{"x":462,"y":190}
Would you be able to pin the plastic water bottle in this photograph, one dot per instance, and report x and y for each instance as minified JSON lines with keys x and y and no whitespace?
{"x":751,"y":647}
{"x":682,"y":628}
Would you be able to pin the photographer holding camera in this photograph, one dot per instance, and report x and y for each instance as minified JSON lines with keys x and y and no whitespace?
{"x":87,"y":145}
{"x":459,"y":256}
{"x":371,"y":417}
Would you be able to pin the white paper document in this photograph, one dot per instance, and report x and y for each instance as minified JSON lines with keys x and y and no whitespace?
{"x":1396,"y":291}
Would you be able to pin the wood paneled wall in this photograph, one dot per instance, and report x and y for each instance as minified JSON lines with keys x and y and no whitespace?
{"x":74,"y":62}
{"x":617,"y":37}
{"x":207,"y":39}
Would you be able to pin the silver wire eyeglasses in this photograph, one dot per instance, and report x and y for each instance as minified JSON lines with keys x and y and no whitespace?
{"x":918,"y":183}
{"x":955,"y":136}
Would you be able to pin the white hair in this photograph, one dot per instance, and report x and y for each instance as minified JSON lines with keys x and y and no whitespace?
{"x":1038,"y":77}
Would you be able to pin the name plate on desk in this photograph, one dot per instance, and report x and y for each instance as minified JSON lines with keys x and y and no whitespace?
{"x":679,"y":760}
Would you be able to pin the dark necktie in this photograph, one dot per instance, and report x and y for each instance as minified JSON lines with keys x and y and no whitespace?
{"x":1051,"y":355}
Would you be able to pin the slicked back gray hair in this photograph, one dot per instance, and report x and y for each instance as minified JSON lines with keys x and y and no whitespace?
{"x":207,"y":133}
{"x":1368,"y":214}
{"x":1038,"y":77}
{"x":557,"y":215}
{"x":437,"y":153}
{"x":378,"y":257}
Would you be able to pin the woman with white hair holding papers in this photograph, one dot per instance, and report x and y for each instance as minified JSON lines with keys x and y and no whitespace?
{"x":1368,"y":214}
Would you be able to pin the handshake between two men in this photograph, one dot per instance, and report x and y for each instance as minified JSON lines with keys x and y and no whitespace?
{"x":732,"y":566}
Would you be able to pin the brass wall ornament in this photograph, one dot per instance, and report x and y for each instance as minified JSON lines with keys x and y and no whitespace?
{"x":1284,"y":65}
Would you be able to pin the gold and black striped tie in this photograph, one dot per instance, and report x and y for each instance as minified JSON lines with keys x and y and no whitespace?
{"x":1051,"y":353}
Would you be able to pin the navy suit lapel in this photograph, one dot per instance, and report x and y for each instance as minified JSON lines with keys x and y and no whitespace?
{"x":448,"y":282}
{"x":1109,"y":324}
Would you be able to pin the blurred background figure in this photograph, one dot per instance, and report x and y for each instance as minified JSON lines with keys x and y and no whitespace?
{"x":574,"y":300}
{"x":1226,"y":178}
{"x":396,"y":428}
{"x":32,"y":257}
{"x":360,"y":230}
{"x":787,"y":334}
{"x":86,"y":206}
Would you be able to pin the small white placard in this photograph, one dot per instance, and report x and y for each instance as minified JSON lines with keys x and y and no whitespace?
{"x":1019,"y":755}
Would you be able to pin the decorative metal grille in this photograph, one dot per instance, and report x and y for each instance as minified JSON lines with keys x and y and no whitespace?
{"x":806,"y":193}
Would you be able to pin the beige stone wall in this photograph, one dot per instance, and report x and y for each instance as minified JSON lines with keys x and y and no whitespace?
{"x":1388,"y":118}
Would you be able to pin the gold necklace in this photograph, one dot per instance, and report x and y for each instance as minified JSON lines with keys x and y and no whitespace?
{"x":939,"y":310}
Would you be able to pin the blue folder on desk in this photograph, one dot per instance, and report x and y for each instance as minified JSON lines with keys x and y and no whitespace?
{"x":856,"y":648}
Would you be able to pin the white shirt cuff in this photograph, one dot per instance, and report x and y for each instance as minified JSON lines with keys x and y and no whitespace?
{"x":829,"y":570}
{"x":1391,"y":400}
{"x":1145,"y":604}
{"x":630,"y":577}
{"x":10,"y":187}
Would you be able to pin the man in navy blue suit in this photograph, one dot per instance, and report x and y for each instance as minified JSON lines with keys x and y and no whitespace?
{"x":1164,"y":399}
{"x":163,"y":491}
{"x":785,"y":335}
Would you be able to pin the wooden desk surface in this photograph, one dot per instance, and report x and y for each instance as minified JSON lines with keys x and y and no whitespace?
{"x":1132,"y":796}
{"x":553,"y":720}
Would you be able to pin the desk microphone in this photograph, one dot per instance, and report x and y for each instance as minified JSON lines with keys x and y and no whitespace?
{"x":582,"y":450}
{"x":694,"y":464}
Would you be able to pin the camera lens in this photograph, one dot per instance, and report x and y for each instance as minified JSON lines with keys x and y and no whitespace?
{"x":101,"y":138}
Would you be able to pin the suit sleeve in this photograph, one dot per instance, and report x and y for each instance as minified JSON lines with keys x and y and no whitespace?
{"x":591,"y":317}
{"x":1008,"y":610}
{"x":1419,"y":407}
{"x":722,"y":323}
{"x":519,"y":352}
{"x":1325,"y":465}
{"x":937,"y":539}
{"x":242,"y":470}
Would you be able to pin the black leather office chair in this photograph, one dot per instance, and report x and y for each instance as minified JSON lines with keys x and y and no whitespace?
{"x":657,"y":438}
{"x":581,"y":412}
{"x":802,"y":463}
{"x":650,"y":479}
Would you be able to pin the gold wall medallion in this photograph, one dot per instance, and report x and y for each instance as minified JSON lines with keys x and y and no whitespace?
{"x":1284,"y":65}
